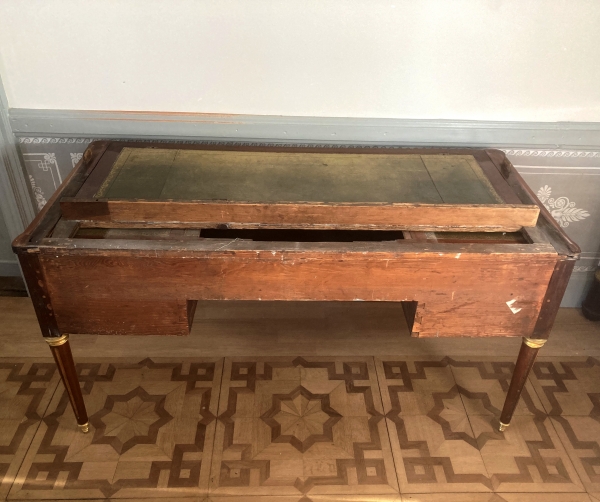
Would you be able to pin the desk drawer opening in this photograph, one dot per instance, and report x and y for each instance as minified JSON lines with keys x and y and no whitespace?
{"x":291,"y":235}
{"x":276,"y":235}
{"x":296,"y":235}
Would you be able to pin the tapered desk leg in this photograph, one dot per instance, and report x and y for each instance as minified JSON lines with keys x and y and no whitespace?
{"x":529,"y":349}
{"x":61,"y":351}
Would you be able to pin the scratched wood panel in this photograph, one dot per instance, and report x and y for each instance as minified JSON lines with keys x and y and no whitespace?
{"x":107,"y":317}
{"x":452,"y":289}
{"x":490,"y":218}
{"x":166,"y":174}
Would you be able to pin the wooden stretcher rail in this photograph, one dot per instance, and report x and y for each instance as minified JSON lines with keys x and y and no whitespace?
{"x":194,"y":248}
{"x":468,"y":217}
{"x":75,"y":229}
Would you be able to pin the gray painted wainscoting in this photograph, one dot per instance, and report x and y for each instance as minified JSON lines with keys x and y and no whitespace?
{"x":566,"y":181}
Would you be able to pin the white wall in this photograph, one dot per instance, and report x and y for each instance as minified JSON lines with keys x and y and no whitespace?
{"x":534,"y":60}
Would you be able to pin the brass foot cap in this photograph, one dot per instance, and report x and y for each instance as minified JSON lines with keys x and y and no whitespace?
{"x":503,"y":427}
{"x":84,"y":427}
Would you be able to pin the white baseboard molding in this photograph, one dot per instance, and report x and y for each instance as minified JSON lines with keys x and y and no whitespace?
{"x":117,"y":124}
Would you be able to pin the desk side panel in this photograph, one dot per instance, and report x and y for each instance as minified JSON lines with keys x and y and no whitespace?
{"x":125,"y":316}
{"x":458,"y":294}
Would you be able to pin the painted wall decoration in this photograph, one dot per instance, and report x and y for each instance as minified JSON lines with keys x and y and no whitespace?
{"x":40,"y":200}
{"x":75,"y":157}
{"x":561,"y":208}
{"x":567,"y":182}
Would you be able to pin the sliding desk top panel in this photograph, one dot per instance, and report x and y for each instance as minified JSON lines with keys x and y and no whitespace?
{"x":362,"y":188}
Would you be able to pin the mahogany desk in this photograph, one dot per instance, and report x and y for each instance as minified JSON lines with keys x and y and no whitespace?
{"x":139,"y":232}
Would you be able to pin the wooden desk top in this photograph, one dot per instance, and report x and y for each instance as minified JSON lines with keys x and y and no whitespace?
{"x":267,"y":187}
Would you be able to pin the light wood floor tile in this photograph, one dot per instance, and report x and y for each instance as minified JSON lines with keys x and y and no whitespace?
{"x":527,"y":457}
{"x":437,"y":454}
{"x":451,"y":497}
{"x":483,"y":383}
{"x":151,"y":433}
{"x":411,"y":386}
{"x":569,"y":385}
{"x":546,"y":497}
{"x":307,"y":498}
{"x":354,"y":498}
{"x":149,"y":499}
{"x":254,"y":498}
{"x":432,"y":441}
{"x":581,"y":438}
{"x":495,"y":497}
{"x":301,"y":427}
{"x":26,"y":387}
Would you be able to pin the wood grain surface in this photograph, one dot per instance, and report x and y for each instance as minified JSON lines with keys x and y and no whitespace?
{"x":425,"y":217}
{"x":296,"y":188}
{"x":453,"y":290}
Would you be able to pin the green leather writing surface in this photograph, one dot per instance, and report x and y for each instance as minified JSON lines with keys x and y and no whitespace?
{"x":187,"y":175}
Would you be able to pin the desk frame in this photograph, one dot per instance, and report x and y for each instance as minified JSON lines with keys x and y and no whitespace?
{"x":51,"y":261}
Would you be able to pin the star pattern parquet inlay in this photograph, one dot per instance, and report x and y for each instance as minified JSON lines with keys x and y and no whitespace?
{"x":130,"y":419}
{"x":301,"y":427}
{"x":151,"y":433}
{"x":301,"y":418}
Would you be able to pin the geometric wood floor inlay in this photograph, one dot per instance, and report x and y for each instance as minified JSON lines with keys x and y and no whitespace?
{"x":25,"y":391}
{"x":442,"y":417}
{"x":301,"y":429}
{"x":570,"y":392}
{"x":151,"y":431}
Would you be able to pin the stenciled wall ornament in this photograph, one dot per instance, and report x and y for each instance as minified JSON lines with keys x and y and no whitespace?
{"x":40,"y":200}
{"x":76,"y":157}
{"x":561,"y":208}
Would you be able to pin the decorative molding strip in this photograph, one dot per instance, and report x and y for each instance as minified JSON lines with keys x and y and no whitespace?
{"x":526,"y":153}
{"x":569,"y":169}
{"x":38,"y":140}
{"x":581,"y":269}
{"x":552,"y":153}
{"x":549,"y":136}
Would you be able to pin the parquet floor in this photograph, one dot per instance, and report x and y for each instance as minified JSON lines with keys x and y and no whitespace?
{"x":357,"y":412}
